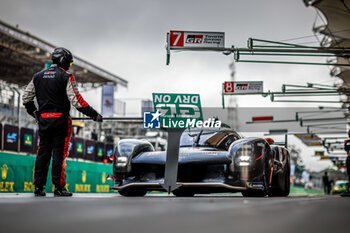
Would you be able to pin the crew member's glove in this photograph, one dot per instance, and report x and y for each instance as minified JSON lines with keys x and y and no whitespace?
{"x":98,"y":118}
{"x":36,"y":116}
{"x":32,"y":110}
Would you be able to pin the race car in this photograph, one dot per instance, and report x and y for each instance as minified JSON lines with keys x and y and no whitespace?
{"x":339,"y":187}
{"x":211,"y":160}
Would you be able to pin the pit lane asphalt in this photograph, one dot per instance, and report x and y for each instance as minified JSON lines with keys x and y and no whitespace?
{"x":162,"y":213}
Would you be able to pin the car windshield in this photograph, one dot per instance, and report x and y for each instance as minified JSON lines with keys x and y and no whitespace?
{"x":207,"y":139}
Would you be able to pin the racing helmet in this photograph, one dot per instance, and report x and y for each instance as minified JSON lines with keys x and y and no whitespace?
{"x":62,"y":57}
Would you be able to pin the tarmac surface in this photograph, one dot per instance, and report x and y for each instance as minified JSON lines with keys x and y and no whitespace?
{"x":104,"y":213}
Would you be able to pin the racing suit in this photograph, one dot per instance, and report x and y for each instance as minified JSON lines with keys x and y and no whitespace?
{"x":55,"y":89}
{"x":347,"y":149}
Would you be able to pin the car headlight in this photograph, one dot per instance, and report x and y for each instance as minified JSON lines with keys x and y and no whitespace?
{"x":122,"y":161}
{"x":244,"y":158}
{"x":243,"y":164}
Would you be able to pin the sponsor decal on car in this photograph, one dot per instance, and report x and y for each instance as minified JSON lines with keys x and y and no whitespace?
{"x":256,"y":185}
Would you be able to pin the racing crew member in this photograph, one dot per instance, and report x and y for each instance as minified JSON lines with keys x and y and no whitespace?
{"x":347,"y":149}
{"x":55,"y":90}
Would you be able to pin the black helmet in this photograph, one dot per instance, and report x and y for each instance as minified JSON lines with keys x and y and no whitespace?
{"x":62,"y":57}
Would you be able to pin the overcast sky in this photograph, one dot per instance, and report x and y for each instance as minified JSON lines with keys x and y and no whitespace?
{"x":128,"y":39}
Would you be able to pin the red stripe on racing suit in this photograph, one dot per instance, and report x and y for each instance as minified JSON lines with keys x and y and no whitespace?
{"x":37,"y":151}
{"x":80,"y":99}
{"x":66,"y":153}
{"x":51,"y":114}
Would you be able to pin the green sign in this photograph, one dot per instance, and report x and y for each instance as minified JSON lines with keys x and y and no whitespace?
{"x":80,"y":148}
{"x":99,"y":151}
{"x":178,"y":110}
{"x":28,"y":139}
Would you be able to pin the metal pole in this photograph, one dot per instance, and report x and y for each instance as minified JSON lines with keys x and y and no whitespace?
{"x":172,"y":159}
{"x":294,"y":120}
{"x":290,"y":92}
{"x":223,"y":96}
{"x":286,"y":140}
{"x":223,"y":101}
{"x":307,"y":101}
{"x":294,"y":63}
{"x":129,"y":119}
{"x":335,"y":123}
{"x":295,"y":95}
{"x":338,"y":51}
{"x":293,"y":45}
{"x":310,"y":86}
{"x":168,"y":49}
{"x":18,"y":117}
{"x":99,"y":131}
{"x":289,"y":54}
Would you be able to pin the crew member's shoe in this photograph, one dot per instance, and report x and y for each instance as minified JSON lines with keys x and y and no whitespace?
{"x":39,"y":192}
{"x":62,"y":192}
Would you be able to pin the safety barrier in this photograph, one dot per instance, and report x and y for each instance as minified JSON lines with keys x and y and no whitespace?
{"x":26,"y":140}
{"x":86,"y":177}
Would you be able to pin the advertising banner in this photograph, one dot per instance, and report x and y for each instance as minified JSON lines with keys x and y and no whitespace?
{"x":72,"y":148}
{"x":27,"y":140}
{"x":90,"y":150}
{"x":100,"y":147}
{"x":108,"y":100}
{"x":84,"y":177}
{"x":243,"y":87}
{"x":109,"y":150}
{"x":79,"y":148}
{"x":193,"y":39}
{"x":11,"y":138}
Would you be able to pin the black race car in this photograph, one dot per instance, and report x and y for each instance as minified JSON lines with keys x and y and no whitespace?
{"x":211,"y":160}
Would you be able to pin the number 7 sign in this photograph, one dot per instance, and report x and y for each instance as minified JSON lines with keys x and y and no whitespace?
{"x":176,"y":39}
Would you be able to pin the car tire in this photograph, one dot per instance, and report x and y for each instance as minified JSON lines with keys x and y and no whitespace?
{"x":283,"y":183}
{"x":133,"y":192}
{"x":286,"y":189}
{"x":266,"y":181}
